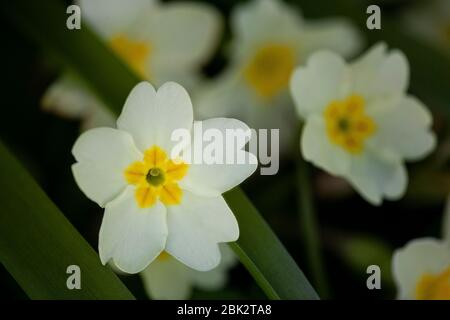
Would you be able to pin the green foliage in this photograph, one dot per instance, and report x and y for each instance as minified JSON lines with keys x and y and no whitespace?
{"x":37,"y":243}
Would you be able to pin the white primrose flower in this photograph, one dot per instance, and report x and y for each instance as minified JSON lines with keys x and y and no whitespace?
{"x":360,"y":124}
{"x":160,"y":42}
{"x":269,"y":39}
{"x":421,"y":269}
{"x":153,"y":202}
{"x":430,"y":20}
{"x":167,"y":278}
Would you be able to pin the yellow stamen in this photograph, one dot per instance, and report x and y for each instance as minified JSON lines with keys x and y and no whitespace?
{"x":347,"y":124}
{"x":156,"y":177}
{"x":163,"y":256}
{"x":145,"y":196}
{"x":136,"y":173}
{"x":434,"y":286}
{"x":135,"y":53}
{"x":176,"y":171}
{"x":170,"y":194}
{"x":155,"y":157}
{"x":269,"y":70}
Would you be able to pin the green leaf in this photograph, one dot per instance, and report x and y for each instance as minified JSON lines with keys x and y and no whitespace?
{"x":37,"y":243}
{"x":263,"y":254}
{"x":362,"y":250}
{"x":258,"y":247}
{"x":80,"y":50}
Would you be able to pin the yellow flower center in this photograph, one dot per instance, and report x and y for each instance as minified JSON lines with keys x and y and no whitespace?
{"x":347,"y":124}
{"x":269,"y":70}
{"x":434,"y":286}
{"x":156,"y":177}
{"x":135,"y":53}
{"x":163,"y":256}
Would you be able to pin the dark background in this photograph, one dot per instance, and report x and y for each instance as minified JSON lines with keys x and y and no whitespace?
{"x":354,"y":233}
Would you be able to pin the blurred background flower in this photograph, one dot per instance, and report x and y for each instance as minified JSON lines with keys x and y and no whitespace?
{"x":360,"y":123}
{"x":167,"y":278}
{"x":269,"y":39}
{"x":160,"y":42}
{"x":421,"y":268}
{"x":430,"y":20}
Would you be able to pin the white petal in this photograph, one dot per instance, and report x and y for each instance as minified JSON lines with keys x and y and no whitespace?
{"x":395,"y":188}
{"x":228,"y":96}
{"x":167,"y":279}
{"x":318,"y":83}
{"x":337,"y":35}
{"x":364,"y":68}
{"x":139,"y":115}
{"x":229,"y":258}
{"x":214,"y":179}
{"x":418,"y":257}
{"x":225,"y":96}
{"x":393,"y":75}
{"x":184,"y":35}
{"x":110,"y":17}
{"x":98,"y":116}
{"x":217,"y":278}
{"x":317,"y":148}
{"x":403,"y":127}
{"x":68,"y":97}
{"x":102,"y":155}
{"x":378,"y":74}
{"x":174,"y":112}
{"x":376,"y":178}
{"x":214,"y":279}
{"x":133,"y":237}
{"x":196,"y":226}
{"x":114,"y":268}
{"x":265,"y":20}
{"x":151,"y":116}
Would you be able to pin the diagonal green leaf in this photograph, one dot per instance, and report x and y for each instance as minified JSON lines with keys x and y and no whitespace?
{"x":80,"y":50}
{"x":37,"y":243}
{"x":258,"y":247}
{"x":263,"y":254}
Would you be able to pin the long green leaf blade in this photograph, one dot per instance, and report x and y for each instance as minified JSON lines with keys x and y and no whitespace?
{"x":80,"y":50}
{"x":258,"y":247}
{"x":37,"y":243}
{"x":263,"y":254}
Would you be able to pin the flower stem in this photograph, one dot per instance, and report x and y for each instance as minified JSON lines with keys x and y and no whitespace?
{"x":309,"y":230}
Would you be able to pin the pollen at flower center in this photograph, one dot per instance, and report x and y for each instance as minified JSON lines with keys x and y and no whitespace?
{"x":156,"y":177}
{"x":135,"y":53}
{"x":269,"y":71}
{"x":163,"y":256}
{"x":347,"y":124}
{"x":434,"y":286}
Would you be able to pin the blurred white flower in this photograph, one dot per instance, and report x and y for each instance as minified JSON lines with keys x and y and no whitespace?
{"x":167,"y":278}
{"x":421,"y":268}
{"x":269,"y":39}
{"x":154,"y":203}
{"x":430,"y":20}
{"x":160,"y":42}
{"x":360,"y":124}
